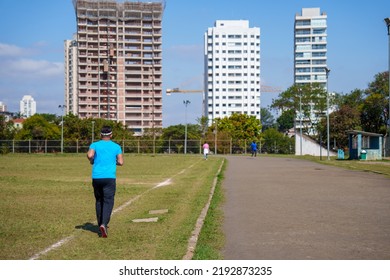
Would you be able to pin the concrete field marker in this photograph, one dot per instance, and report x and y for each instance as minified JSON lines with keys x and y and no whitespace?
{"x":147,"y":220}
{"x":160,"y":211}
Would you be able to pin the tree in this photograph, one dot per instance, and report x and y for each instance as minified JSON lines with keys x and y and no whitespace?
{"x":240,"y":126}
{"x":277,"y":142}
{"x":373,"y":115}
{"x":360,"y":110}
{"x":51,"y":118}
{"x":344,"y":119}
{"x":81,"y":129}
{"x":74,"y":128}
{"x":7,"y":130}
{"x":177,"y":132}
{"x":267,"y":119}
{"x":37,"y":127}
{"x":308,"y":100}
{"x":286,"y":120}
{"x":380,"y":85}
{"x":375,"y":110}
{"x":354,"y":99}
{"x":203,"y":123}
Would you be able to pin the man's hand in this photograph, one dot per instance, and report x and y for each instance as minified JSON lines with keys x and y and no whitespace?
{"x":91,"y":156}
{"x":119,"y":160}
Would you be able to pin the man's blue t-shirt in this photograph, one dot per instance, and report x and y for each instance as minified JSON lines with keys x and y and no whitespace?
{"x":104,"y":165}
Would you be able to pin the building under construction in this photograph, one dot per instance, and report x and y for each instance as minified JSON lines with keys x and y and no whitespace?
{"x":119,"y":63}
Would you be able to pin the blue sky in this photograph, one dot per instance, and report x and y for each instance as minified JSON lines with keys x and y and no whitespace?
{"x":33,"y":32}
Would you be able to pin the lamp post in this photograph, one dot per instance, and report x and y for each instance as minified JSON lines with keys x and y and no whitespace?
{"x":93,"y":131}
{"x":216,"y":137}
{"x":185,"y":102}
{"x":327,"y":70}
{"x":62,"y":128}
{"x":387,"y":21}
{"x":300,"y":118}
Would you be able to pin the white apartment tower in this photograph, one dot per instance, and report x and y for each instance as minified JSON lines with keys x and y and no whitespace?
{"x":232,"y":69}
{"x":119,"y":63}
{"x":3,"y":107}
{"x":310,"y":47}
{"x":28,"y":106}
{"x":70,"y":64}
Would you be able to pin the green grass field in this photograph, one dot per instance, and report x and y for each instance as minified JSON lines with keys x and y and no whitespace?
{"x":49,"y":198}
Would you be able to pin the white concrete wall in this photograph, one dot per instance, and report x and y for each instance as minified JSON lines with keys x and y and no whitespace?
{"x":310,"y":147}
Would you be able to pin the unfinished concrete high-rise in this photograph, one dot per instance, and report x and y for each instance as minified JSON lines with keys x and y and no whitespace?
{"x":119,"y":62}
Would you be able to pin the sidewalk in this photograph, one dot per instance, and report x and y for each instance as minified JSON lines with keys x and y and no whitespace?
{"x":281,"y":208}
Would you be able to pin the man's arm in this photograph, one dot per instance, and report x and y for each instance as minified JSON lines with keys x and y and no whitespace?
{"x":119,"y":159}
{"x":91,"y":155}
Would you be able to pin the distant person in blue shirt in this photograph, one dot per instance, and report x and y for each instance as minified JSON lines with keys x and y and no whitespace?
{"x":104,"y":155}
{"x":254,"y":148}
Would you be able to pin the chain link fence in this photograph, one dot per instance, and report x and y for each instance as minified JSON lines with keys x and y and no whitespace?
{"x":137,"y":146}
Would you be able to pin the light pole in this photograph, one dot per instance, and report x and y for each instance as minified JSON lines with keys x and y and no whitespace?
{"x":327,"y":70}
{"x":185,"y":102}
{"x":93,"y":131}
{"x":62,"y":128}
{"x":216,"y":137}
{"x":300,"y":117}
{"x":387,"y":21}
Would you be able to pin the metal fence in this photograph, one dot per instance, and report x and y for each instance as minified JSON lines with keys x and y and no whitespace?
{"x":138,"y":146}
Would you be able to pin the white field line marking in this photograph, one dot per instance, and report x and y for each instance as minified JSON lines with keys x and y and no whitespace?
{"x":162,"y":184}
{"x":52,"y":247}
{"x":116,"y":210}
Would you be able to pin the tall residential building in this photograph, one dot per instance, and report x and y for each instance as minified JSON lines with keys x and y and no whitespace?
{"x":232,"y":69}
{"x":70,"y":62}
{"x":28,"y":106}
{"x":310,"y":47}
{"x":3,"y":107}
{"x":119,"y":62}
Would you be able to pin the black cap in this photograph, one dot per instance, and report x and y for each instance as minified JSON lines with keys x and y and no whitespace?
{"x":106,"y":131}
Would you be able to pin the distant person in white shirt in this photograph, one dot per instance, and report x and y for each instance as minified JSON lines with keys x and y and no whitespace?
{"x":206,"y":150}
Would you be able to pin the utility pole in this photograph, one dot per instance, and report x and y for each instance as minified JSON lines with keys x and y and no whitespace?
{"x":327,"y":113}
{"x":387,"y":21}
{"x":185,"y":102}
{"x":62,"y":128}
{"x":300,"y":118}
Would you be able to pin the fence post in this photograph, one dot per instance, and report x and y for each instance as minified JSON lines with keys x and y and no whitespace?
{"x":13,"y":146}
{"x":260,"y":146}
{"x":138,"y":146}
{"x":45,"y":146}
{"x":231,"y":148}
{"x":77,"y":146}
